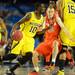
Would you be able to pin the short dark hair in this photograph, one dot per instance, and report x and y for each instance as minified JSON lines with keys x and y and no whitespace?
{"x":37,"y":5}
{"x":52,"y":4}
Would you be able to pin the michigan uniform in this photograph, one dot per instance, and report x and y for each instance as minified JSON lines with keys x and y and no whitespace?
{"x":68,"y":11}
{"x":29,"y":30}
{"x":0,"y":34}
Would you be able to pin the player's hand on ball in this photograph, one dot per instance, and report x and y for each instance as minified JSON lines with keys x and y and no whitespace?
{"x":17,"y":35}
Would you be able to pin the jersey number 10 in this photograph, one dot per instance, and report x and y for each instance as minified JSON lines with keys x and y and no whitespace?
{"x":33,"y":29}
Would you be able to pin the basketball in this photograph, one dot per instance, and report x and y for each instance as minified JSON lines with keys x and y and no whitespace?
{"x":17,"y":35}
{"x":33,"y":73}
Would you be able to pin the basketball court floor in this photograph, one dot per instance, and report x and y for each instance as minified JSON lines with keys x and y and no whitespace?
{"x":25,"y":70}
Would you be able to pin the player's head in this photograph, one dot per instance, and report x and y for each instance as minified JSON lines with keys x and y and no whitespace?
{"x":51,"y":10}
{"x":38,"y":7}
{"x":43,"y":8}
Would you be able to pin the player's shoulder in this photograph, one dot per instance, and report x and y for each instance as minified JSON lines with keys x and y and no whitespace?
{"x":28,"y":15}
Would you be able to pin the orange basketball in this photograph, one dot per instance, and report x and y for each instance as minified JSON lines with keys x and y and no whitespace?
{"x":17,"y":35}
{"x":33,"y":73}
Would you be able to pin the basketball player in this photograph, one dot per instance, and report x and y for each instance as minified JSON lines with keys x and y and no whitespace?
{"x":66,"y":9}
{"x":52,"y":43}
{"x":3,"y":38}
{"x":29,"y":25}
{"x":3,"y":30}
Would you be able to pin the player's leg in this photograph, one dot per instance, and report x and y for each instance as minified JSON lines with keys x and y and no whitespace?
{"x":65,"y":54}
{"x":41,"y":50}
{"x":9,"y":57}
{"x":26,"y":47}
{"x":73,"y":52}
{"x":54,"y":53}
{"x":35,"y":60}
{"x":21,"y":61}
{"x":62,"y":59}
{"x":69,"y":57}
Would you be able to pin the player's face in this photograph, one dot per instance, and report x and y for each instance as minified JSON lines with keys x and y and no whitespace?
{"x":50,"y":12}
{"x":39,"y":9}
{"x":43,"y":8}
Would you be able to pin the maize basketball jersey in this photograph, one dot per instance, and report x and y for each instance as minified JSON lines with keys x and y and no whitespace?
{"x":68,"y":11}
{"x":30,"y":27}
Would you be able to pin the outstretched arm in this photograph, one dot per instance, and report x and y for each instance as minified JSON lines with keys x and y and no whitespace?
{"x":64,"y":28}
{"x":24,"y":19}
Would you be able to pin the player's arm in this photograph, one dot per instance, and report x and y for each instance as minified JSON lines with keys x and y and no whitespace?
{"x":60,"y":7}
{"x":59,"y":21}
{"x":24,"y":19}
{"x":4,"y":29}
{"x":42,"y":28}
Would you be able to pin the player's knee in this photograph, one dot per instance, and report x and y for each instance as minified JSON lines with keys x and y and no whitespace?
{"x":55,"y":42}
{"x":55,"y":47}
{"x":27,"y":57}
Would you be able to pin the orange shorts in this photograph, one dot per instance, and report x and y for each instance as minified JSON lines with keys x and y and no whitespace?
{"x":46,"y":48}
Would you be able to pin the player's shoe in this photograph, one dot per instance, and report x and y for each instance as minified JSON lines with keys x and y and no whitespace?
{"x":8,"y":72}
{"x":60,"y":72}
